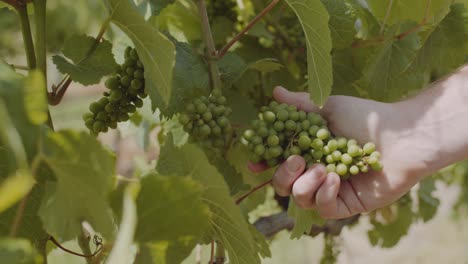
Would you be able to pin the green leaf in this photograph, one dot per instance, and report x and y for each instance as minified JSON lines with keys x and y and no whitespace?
{"x":181,"y":20}
{"x":165,"y":252}
{"x":384,"y":75}
{"x":14,"y":188}
{"x":86,"y":67}
{"x":266,"y":65}
{"x":388,"y":235}
{"x":345,"y":73}
{"x":227,"y":223}
{"x":191,"y":78}
{"x":314,"y":20}
{"x":341,"y":23}
{"x":158,"y":5}
{"x":442,"y":48}
{"x":174,"y":127}
{"x":164,"y":206}
{"x":231,"y":68}
{"x":35,"y":99}
{"x":369,"y":27}
{"x":156,"y":52}
{"x":18,"y":251}
{"x":122,"y":249}
{"x":395,"y":11}
{"x":303,"y":219}
{"x":427,"y":204}
{"x":84,"y":173}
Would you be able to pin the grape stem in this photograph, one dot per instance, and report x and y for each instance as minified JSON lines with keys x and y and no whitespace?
{"x":236,"y":38}
{"x":97,"y":241}
{"x":256,"y":188}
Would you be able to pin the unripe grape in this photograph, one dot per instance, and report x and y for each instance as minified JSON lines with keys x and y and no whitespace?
{"x":354,"y":170}
{"x":317,"y":154}
{"x":269,"y":116}
{"x":304,"y":142}
{"x":341,"y":169}
{"x":293,"y":115}
{"x":332,"y":144}
{"x":87,"y":116}
{"x":216,"y":130}
{"x":129,"y":71}
{"x":313,"y":130}
{"x":276,"y":151}
{"x":351,"y":142}
{"x":272,"y":132}
{"x":256,"y":140}
{"x":136,"y":84}
{"x":138,"y":102}
{"x":377,"y":166}
{"x":364,"y":169}
{"x":278,"y":126}
{"x":353,"y":150}
{"x":112,"y":83}
{"x":369,"y":148}
{"x":205,"y":130}
{"x":273,"y":141}
{"x":98,"y":126}
{"x":259,"y":150}
{"x":272,"y":162}
{"x":95,"y":107}
{"x":331,"y":168}
{"x":248,"y":134}
{"x":123,"y":117}
{"x":329,"y":159}
{"x":372,"y":160}
{"x":346,"y":159}
{"x":326,"y":150}
{"x":282,"y":115}
{"x":375,"y":154}
{"x":224,"y":122}
{"x":138,"y":74}
{"x":207,"y":116}
{"x":115,"y":95}
{"x":290,"y":125}
{"x":262,"y":131}
{"x":305,"y":125}
{"x":317,"y":144}
{"x":201,"y":108}
{"x":125,"y":81}
{"x":323,"y":134}
{"x":302,"y":115}
{"x":295,"y":150}
{"x":336,"y":155}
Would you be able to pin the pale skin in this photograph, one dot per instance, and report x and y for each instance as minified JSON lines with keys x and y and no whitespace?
{"x":417,"y":137}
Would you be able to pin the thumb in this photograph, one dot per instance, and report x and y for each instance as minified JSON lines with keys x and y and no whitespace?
{"x":300,"y":99}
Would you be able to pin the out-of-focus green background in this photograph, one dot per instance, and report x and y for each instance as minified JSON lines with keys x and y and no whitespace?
{"x":444,"y":239}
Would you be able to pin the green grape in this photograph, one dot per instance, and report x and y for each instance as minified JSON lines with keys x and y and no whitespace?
{"x":342,"y":143}
{"x":375,"y":154}
{"x":290,"y":125}
{"x":216,"y":130}
{"x":218,"y":143}
{"x":112,"y":83}
{"x":129,"y":71}
{"x":346,"y":159}
{"x":272,"y":132}
{"x":326,"y":150}
{"x":341,"y":169}
{"x":87,"y":116}
{"x":123,"y":117}
{"x":256,"y":140}
{"x":354,"y":170}
{"x":295,"y":150}
{"x":224,"y":122}
{"x":377,"y":166}
{"x":98,"y":126}
{"x":125,"y":81}
{"x":332,"y":144}
{"x":269,"y":116}
{"x":307,"y":157}
{"x":323,"y":134}
{"x":255,"y":159}
{"x":331,"y":168}
{"x":317,"y":144}
{"x":372,"y":160}
{"x":317,"y":154}
{"x":303,"y":134}
{"x":364,"y":169}
{"x":138,"y":74}
{"x":313,"y":130}
{"x":207,"y":116}
{"x":336,"y":155}
{"x":353,"y":150}
{"x":272,"y":162}
{"x":291,"y":107}
{"x":219,"y":110}
{"x":275,"y":151}
{"x":282,"y":115}
{"x":201,"y":108}
{"x":369,"y":148}
{"x":351,"y":142}
{"x":138,"y":102}
{"x":329,"y":159}
{"x":221,"y":100}
{"x":286,"y":154}
{"x":304,"y":142}
{"x":95,"y":107}
{"x":305,"y":125}
{"x":115,"y":95}
{"x":130,"y":108}
{"x":273,"y":140}
{"x":262,"y":131}
{"x":278,"y":126}
{"x":205,"y":130}
{"x":248,"y":134}
{"x":259,"y":150}
{"x":294,"y":115}
{"x":89,"y":123}
{"x":302,"y":115}
{"x":136,"y":84}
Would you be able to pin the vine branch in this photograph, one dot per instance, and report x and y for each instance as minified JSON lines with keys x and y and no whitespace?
{"x":256,"y":188}
{"x":97,"y":241}
{"x":27,"y":36}
{"x":236,"y":38}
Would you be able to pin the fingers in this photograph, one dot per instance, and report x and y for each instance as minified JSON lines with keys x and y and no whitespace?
{"x":287,"y":173}
{"x":300,"y":99}
{"x":329,"y":204}
{"x":305,"y":187}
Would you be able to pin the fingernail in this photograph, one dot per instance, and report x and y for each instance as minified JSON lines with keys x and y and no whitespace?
{"x":294,"y":164}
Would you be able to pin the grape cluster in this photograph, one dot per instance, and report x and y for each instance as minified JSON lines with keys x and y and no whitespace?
{"x":219,"y":8}
{"x":283,"y":131}
{"x":126,"y":90}
{"x":206,"y":119}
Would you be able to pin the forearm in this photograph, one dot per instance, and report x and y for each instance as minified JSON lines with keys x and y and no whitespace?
{"x":438,"y":121}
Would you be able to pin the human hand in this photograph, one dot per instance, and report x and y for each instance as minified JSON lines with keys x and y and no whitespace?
{"x":364,"y":120}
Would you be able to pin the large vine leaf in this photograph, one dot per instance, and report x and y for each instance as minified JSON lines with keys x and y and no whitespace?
{"x":341,"y":23}
{"x":395,"y":11}
{"x":84,"y":173}
{"x":86,"y":68}
{"x":18,"y":251}
{"x":177,"y":200}
{"x":156,"y":52}
{"x":384,"y":75}
{"x":191,"y":78}
{"x":158,"y":5}
{"x":314,"y":17}
{"x":345,"y":73}
{"x":227,"y":223}
{"x":443,"y":47}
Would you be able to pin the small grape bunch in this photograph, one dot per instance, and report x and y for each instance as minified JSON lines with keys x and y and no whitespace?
{"x":125,"y":92}
{"x":282,"y":131}
{"x":206,"y":119}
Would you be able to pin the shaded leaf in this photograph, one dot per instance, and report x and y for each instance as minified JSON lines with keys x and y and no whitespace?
{"x":86,"y":67}
{"x":341,"y":23}
{"x":18,"y":251}
{"x":35,"y":99}
{"x":303,"y":219}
